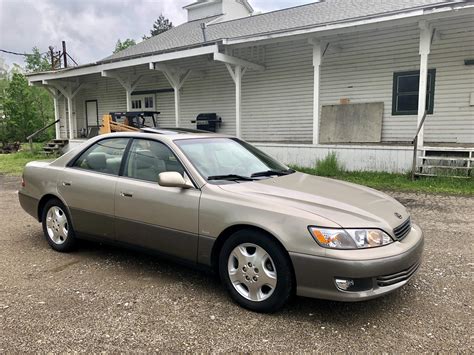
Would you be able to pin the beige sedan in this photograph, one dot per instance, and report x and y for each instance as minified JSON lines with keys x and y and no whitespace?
{"x":217,"y":201}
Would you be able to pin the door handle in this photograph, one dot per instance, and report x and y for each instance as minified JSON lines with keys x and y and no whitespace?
{"x":66,"y":183}
{"x":126,"y":194}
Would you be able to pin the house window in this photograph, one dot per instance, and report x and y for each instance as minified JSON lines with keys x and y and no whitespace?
{"x":406,"y":90}
{"x":149,"y":102}
{"x":136,"y":104}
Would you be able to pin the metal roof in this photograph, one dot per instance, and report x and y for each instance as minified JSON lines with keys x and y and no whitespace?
{"x":306,"y":16}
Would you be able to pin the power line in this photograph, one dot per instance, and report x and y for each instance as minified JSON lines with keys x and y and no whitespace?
{"x":53,"y":54}
{"x":16,"y":53}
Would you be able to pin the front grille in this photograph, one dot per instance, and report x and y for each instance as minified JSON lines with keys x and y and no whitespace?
{"x":402,"y":230}
{"x":392,"y":279}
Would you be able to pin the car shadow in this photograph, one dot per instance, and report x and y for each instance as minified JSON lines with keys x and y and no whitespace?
{"x":207,"y":284}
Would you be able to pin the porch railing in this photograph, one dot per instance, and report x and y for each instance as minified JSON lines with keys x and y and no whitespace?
{"x":30,"y":137}
{"x":415,"y":146}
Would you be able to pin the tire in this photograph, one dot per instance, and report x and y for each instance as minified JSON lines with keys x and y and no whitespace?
{"x":57,"y":226}
{"x":256,"y":271}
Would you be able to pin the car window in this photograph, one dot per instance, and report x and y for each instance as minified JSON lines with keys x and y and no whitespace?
{"x":224,"y":156}
{"x":104,"y":156}
{"x":147,"y":159}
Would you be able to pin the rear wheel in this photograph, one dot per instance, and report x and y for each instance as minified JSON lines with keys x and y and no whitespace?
{"x":57,"y":226}
{"x":256,"y":271}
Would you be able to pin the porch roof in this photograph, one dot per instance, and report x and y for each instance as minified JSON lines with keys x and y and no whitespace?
{"x":315,"y":14}
{"x":324,"y":15}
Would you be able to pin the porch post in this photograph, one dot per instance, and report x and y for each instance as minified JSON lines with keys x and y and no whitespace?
{"x":176,"y":77}
{"x":237,"y":72}
{"x":238,"y":100}
{"x":317,"y":58}
{"x":70,"y":118}
{"x":55,"y":95}
{"x":177,"y":105}
{"x":69,"y":92}
{"x":129,"y":83}
{"x":57,"y":126}
{"x":128,"y":94}
{"x":425,"y":48}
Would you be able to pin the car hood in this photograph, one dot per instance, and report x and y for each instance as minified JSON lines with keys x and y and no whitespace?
{"x":346,"y":204}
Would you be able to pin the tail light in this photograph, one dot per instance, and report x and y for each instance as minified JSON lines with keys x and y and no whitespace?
{"x":23,"y":182}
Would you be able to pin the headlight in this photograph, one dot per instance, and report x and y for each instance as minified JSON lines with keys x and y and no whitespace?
{"x":350,"y":238}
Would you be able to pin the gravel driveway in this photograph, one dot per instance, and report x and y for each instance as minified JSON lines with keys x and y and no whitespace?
{"x":101,"y":298}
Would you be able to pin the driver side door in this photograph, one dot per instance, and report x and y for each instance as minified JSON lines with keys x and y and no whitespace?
{"x":164,"y":219}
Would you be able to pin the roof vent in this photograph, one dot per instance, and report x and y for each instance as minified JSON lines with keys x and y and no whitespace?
{"x":226,"y":9}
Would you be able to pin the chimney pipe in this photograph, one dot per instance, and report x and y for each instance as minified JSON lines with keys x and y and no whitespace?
{"x":203,"y":28}
{"x":64,"y":54}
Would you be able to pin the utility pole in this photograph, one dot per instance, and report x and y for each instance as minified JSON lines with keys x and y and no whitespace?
{"x":51,"y":53}
{"x":64,"y":54}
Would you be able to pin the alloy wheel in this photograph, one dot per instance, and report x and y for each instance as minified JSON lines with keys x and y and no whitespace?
{"x":252,"y":272}
{"x":57,"y":225}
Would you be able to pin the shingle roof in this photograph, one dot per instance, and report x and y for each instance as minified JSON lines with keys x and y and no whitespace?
{"x":305,"y":16}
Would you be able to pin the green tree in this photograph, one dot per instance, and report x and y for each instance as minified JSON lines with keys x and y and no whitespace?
{"x":3,"y":121}
{"x":162,"y":24}
{"x":120,"y":46}
{"x":37,"y":62}
{"x":26,"y":109}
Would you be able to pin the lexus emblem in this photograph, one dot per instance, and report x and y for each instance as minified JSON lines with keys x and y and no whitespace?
{"x":398,"y":215}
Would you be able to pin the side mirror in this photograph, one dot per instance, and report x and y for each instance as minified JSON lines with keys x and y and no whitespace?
{"x":173,"y":179}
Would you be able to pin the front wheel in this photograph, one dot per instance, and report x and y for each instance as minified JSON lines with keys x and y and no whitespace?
{"x":256,"y":271}
{"x":57,"y":226}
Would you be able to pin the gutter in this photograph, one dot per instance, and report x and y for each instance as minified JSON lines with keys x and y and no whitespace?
{"x":364,"y":20}
{"x":125,"y":59}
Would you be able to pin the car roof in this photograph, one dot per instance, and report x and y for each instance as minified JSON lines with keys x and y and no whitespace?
{"x":168,"y":134}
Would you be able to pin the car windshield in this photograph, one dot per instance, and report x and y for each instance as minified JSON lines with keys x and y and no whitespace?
{"x":230,"y":159}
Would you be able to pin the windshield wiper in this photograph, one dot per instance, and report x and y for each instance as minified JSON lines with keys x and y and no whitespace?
{"x":230,"y":177}
{"x":273,"y":172}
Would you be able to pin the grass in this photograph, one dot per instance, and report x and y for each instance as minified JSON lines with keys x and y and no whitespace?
{"x":13,"y":164}
{"x":330,"y":167}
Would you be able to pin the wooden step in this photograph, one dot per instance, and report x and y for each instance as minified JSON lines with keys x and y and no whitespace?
{"x":448,"y":159}
{"x":446,"y":167}
{"x":444,"y":176}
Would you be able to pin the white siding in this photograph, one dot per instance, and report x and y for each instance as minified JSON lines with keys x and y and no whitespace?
{"x":232,"y":10}
{"x":363,"y":72}
{"x":210,"y":9}
{"x":277,"y":103}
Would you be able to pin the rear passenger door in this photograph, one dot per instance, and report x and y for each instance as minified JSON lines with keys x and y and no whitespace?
{"x":88,"y":184}
{"x":149,"y":215}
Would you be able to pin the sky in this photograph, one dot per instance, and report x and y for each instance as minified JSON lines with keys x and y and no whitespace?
{"x":90,"y":27}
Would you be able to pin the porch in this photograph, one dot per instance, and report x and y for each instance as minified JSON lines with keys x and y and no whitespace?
{"x":274,"y":92}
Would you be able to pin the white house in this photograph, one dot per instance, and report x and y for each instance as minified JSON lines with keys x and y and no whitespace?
{"x":354,"y":77}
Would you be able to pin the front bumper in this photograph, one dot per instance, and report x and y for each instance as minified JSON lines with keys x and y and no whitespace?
{"x":315,"y":275}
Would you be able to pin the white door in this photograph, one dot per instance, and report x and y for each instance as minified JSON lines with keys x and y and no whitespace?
{"x":92,"y":116}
